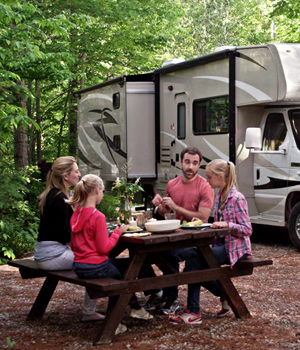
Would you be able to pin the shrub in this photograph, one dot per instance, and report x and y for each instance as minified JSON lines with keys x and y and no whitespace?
{"x":109,"y":205}
{"x":19,"y":213}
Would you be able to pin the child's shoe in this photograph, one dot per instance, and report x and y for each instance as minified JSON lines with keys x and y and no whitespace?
{"x":141,"y":314}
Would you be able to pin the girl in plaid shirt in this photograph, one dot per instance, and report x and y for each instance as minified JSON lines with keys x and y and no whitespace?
{"x":231,"y":210}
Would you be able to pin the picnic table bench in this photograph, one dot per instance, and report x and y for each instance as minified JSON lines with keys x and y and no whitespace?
{"x":141,"y":248}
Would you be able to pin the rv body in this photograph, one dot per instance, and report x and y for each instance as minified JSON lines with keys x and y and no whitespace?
{"x":209,"y":102}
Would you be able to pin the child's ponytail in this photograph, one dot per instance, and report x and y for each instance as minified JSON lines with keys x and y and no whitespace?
{"x":87,"y":185}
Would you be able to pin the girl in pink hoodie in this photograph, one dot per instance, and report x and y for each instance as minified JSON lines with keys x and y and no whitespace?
{"x":91,"y":242}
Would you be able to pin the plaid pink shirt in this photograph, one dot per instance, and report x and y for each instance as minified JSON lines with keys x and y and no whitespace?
{"x":235,"y":212}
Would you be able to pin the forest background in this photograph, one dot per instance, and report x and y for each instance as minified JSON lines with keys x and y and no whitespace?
{"x":50,"y":49}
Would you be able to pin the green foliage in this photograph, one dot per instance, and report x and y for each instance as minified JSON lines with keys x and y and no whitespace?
{"x":109,"y":205}
{"x":19,"y":214}
{"x":10,"y":343}
{"x":287,"y":20}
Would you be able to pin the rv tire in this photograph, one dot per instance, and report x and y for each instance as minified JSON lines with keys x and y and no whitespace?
{"x":294,"y":226}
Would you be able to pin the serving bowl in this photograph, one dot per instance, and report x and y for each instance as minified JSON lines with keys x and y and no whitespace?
{"x":162,"y":226}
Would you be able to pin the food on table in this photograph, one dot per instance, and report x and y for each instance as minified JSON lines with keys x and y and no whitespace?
{"x":133,"y":228}
{"x":192,"y":223}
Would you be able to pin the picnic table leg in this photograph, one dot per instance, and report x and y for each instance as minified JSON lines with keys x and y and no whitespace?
{"x":116,"y":313}
{"x":42,"y":300}
{"x":235,"y":301}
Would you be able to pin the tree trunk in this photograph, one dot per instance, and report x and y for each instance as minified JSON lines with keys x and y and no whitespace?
{"x":38,"y":120}
{"x":31,"y":135}
{"x":73,"y":133}
{"x":20,"y":138}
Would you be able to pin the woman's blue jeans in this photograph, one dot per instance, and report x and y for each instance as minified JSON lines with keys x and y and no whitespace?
{"x":196,"y":262}
{"x":112,"y":268}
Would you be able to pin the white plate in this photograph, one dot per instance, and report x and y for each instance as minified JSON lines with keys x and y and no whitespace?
{"x":198,"y":226}
{"x":137,"y":231}
{"x":142,"y":234}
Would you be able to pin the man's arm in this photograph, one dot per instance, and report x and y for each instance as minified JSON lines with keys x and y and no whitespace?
{"x":202,"y":212}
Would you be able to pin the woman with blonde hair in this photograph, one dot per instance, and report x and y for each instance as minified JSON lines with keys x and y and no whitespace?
{"x":231,"y":210}
{"x":52,"y":251}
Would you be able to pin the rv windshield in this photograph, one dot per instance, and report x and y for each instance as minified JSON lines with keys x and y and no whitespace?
{"x":294,"y":116}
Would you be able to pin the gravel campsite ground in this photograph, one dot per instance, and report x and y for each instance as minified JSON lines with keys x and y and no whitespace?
{"x":272,"y":294}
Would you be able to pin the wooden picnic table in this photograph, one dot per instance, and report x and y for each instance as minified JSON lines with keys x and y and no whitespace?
{"x":148,"y":247}
{"x":141,"y":248}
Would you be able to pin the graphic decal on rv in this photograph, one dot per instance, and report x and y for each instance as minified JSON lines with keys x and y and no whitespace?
{"x":106,"y":118}
{"x":251,"y":90}
{"x":277,"y":183}
{"x":86,"y":161}
{"x":95,"y":147}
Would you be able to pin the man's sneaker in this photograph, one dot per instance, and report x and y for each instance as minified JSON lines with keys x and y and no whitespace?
{"x":225,"y":309}
{"x":120,"y":329}
{"x":141,"y":314}
{"x":171,"y":308}
{"x":154,"y":302}
{"x":188,"y":318}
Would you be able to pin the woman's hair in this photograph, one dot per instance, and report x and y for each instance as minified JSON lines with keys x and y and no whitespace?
{"x":55,"y":178}
{"x":218,"y":166}
{"x":87,"y":185}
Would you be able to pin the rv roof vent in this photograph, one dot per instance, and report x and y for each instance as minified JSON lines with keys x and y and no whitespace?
{"x":173,"y":61}
{"x":221,"y":48}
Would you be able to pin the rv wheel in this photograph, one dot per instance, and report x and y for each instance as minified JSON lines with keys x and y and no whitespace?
{"x":294,"y":226}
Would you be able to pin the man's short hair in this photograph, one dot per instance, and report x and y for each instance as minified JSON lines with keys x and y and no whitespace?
{"x":191,"y":150}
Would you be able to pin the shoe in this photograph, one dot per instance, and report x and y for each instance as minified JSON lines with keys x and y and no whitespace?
{"x":154,"y":302}
{"x":171,"y":308}
{"x":141,"y":314}
{"x":225,"y":309}
{"x":120,"y":329}
{"x":92,"y":318}
{"x":188,"y":318}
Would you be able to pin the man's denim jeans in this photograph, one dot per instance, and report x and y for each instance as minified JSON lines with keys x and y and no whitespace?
{"x":196,"y":262}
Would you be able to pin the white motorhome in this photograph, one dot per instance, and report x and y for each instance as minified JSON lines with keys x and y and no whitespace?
{"x":239,"y":103}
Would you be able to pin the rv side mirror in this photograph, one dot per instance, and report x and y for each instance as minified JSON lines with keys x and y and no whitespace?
{"x":253,"y":138}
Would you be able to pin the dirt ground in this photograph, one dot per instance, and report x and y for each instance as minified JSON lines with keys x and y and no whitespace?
{"x":272,"y":295}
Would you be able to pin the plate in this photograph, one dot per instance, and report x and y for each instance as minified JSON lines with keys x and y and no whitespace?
{"x":198,"y":226}
{"x":142,"y":234}
{"x":137,"y":231}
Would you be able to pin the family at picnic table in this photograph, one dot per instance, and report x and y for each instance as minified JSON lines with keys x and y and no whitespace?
{"x":73,"y":233}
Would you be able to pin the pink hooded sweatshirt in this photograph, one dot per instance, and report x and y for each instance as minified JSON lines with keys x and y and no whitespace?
{"x":90,"y":241}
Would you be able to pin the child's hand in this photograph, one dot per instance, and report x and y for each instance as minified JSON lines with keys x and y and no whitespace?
{"x":220,"y":224}
{"x":195,"y":219}
{"x":122,"y":228}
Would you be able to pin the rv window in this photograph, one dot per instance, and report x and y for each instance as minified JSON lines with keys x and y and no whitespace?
{"x":294,"y":116}
{"x":181,"y":115}
{"x":274,"y":133}
{"x":116,"y":100}
{"x":210,"y":115}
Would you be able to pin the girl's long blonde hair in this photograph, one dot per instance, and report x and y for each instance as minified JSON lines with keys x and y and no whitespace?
{"x":87,"y":185}
{"x":218,"y":166}
{"x":55,"y":178}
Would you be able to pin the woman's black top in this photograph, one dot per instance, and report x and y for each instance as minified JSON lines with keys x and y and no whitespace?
{"x":55,"y":221}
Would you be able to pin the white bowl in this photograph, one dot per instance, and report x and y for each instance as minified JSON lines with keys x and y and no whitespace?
{"x":162,"y":225}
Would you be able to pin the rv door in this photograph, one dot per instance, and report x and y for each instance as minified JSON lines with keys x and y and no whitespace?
{"x":271,"y":168}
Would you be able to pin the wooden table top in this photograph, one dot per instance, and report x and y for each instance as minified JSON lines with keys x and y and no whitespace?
{"x":177,"y":235}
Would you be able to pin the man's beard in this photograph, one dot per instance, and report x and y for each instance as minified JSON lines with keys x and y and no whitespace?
{"x":190,"y":174}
